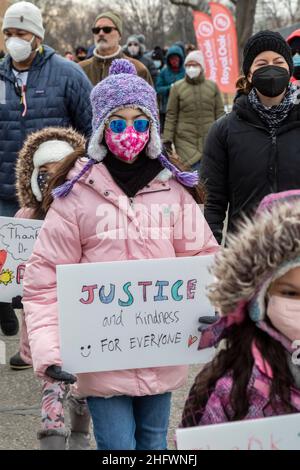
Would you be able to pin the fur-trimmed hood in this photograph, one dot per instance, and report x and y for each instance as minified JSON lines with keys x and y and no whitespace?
{"x":254,"y":254}
{"x":25,"y":167}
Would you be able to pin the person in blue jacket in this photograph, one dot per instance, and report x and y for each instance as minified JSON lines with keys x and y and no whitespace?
{"x":38,"y":89}
{"x":172,"y":72}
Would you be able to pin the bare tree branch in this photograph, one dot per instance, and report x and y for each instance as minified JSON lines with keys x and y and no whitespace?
{"x":201,"y":5}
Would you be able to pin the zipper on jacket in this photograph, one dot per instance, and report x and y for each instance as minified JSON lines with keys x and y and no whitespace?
{"x":131,"y":199}
{"x":274,"y":164}
{"x":154,"y":191}
{"x":273,"y":168}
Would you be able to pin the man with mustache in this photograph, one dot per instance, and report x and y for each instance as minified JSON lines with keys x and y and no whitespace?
{"x":107,"y":33}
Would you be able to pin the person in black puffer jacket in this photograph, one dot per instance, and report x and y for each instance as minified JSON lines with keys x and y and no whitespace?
{"x":254,"y":150}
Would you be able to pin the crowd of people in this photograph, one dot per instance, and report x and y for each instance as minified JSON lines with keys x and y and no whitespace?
{"x":111,"y":121}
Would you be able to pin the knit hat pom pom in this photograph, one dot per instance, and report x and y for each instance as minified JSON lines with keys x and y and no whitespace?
{"x":122,"y":66}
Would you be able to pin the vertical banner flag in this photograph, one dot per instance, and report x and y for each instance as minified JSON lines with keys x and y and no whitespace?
{"x":217,"y":38}
{"x":205,"y":35}
{"x":226,"y":47}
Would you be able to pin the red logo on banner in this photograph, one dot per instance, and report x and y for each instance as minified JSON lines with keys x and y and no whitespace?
{"x":205,"y":35}
{"x":226,"y":47}
{"x":221,"y":22}
{"x":216,"y":37}
{"x":206,"y":29}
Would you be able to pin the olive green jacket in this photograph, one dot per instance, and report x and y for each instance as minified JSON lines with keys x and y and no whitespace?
{"x":193,"y":106}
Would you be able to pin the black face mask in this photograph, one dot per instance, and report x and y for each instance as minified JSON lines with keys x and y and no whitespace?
{"x":296,"y":73}
{"x":271,"y":80}
{"x":42,"y":180}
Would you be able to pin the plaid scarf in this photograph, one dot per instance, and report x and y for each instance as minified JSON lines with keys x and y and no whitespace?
{"x":274,"y":115}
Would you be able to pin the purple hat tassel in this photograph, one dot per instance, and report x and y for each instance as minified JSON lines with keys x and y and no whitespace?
{"x":187,"y":178}
{"x":64,"y":189}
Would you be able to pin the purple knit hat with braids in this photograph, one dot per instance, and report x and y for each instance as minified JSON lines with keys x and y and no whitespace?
{"x":124,"y":89}
{"x":121,"y":89}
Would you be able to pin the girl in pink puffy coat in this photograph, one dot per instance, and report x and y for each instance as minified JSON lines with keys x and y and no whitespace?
{"x":46,"y":153}
{"x":257,"y":291}
{"x":130,"y":408}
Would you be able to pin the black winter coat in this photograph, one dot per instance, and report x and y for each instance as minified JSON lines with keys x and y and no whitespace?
{"x":242,"y":163}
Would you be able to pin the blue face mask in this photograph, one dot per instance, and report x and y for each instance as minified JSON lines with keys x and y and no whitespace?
{"x":296,"y":60}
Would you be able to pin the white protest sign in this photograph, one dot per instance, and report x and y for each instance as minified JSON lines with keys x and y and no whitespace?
{"x":276,"y":433}
{"x":132,"y":314}
{"x":17,"y":238}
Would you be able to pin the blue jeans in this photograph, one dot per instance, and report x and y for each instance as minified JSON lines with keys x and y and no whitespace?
{"x":131,"y":423}
{"x":8,"y":208}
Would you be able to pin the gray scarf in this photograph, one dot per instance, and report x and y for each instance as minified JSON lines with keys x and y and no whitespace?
{"x":274,"y":115}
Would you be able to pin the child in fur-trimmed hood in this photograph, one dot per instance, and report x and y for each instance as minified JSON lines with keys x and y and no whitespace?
{"x":44,"y":162}
{"x":257,"y":292}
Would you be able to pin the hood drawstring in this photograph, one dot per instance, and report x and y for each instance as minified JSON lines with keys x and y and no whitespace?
{"x":24,"y":100}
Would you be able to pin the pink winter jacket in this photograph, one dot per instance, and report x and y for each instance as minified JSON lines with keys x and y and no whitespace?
{"x":70,"y":235}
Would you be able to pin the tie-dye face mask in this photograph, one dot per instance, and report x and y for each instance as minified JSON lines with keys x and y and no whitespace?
{"x":128,"y":144}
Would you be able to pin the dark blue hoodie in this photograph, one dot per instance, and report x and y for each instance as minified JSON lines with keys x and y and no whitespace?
{"x":167,"y":77}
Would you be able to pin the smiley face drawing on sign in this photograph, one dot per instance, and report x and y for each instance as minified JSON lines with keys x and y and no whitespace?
{"x":86,"y":351}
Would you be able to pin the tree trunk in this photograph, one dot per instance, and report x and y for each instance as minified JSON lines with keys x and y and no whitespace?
{"x":245,"y":16}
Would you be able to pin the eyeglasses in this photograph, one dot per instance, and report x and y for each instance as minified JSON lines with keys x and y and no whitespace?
{"x":105,"y":29}
{"x":133,"y":44}
{"x":119,"y":125}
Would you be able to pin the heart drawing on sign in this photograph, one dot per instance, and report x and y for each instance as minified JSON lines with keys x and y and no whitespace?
{"x":3,"y":256}
{"x":192,"y":340}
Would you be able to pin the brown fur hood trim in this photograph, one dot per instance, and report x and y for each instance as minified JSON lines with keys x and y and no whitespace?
{"x":24,"y":166}
{"x":258,"y":249}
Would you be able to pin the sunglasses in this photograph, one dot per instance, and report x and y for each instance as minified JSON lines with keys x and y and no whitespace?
{"x":119,"y":125}
{"x":133,"y":44}
{"x":105,"y":29}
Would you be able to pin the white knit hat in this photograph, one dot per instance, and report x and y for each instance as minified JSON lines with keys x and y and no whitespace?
{"x":49,"y":152}
{"x":26,"y":16}
{"x":195,"y":56}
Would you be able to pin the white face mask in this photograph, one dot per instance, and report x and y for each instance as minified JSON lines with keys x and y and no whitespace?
{"x":284,"y":314}
{"x":19,"y":49}
{"x":157,"y":63}
{"x":193,"y":72}
{"x":134,"y":50}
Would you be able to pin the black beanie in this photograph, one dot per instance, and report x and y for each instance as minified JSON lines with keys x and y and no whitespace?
{"x":266,"y":41}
